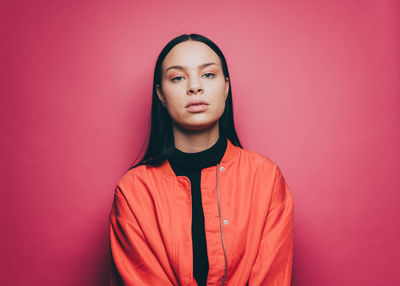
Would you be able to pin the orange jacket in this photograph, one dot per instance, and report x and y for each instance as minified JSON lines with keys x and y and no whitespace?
{"x":248,"y":216}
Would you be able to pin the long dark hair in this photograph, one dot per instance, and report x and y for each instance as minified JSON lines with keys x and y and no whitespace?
{"x":161,"y":141}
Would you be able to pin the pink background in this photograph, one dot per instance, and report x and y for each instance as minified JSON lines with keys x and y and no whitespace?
{"x":316,"y":88}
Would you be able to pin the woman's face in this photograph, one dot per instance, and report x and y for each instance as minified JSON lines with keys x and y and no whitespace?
{"x":192,"y":72}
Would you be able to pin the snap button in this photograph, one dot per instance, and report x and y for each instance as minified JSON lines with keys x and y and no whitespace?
{"x":226,"y":221}
{"x":222,"y":169}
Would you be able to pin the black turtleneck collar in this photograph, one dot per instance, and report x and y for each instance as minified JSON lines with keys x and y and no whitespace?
{"x":199,"y":160}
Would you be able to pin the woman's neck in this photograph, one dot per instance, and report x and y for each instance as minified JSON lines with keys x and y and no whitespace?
{"x":193,"y":141}
{"x":183,"y":163}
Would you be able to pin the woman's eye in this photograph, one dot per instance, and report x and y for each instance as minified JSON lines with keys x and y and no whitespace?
{"x":177,"y":78}
{"x":209,"y":75}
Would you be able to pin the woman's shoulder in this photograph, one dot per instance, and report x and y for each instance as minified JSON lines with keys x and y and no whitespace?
{"x":132,"y":175}
{"x":262,"y":164}
{"x":258,"y":159}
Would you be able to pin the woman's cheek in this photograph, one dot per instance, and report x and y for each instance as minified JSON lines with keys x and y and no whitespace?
{"x":217,"y":85}
{"x":173,"y":87}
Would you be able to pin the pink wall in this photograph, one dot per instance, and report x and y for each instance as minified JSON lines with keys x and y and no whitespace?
{"x":316,"y":88}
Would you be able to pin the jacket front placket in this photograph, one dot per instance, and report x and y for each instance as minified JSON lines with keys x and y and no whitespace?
{"x":182,"y":213}
{"x":212,"y":223}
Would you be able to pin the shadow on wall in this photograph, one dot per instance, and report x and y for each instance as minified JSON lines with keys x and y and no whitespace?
{"x":94,"y":268}
{"x":305,"y":244}
{"x":102,"y":277}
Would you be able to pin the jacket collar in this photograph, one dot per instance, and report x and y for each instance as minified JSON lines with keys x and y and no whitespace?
{"x":230,"y":153}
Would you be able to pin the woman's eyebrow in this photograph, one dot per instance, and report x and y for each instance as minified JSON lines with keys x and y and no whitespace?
{"x":184,"y":68}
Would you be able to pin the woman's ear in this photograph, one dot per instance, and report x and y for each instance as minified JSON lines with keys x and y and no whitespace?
{"x":160,"y":96}
{"x":226,"y":87}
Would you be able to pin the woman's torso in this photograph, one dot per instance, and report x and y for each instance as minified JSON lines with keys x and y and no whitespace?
{"x":161,"y":203}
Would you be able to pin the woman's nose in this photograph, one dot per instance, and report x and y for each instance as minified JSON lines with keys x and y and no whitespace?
{"x":194,"y":87}
{"x":195,"y":90}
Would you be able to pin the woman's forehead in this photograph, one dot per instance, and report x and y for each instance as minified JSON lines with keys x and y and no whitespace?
{"x":190,"y":54}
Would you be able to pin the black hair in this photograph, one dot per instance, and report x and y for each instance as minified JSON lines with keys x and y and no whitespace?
{"x":161,"y":141}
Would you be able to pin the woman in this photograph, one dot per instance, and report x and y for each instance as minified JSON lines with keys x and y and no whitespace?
{"x":198,"y":208}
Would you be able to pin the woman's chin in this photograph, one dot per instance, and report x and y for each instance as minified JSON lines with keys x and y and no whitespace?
{"x":198,"y":125}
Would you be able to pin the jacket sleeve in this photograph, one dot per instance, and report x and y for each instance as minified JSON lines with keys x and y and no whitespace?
{"x":132,"y":260}
{"x":273,"y":264}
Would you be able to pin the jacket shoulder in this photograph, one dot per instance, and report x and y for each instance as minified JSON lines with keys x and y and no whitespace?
{"x":258,"y":159}
{"x":132,"y":176}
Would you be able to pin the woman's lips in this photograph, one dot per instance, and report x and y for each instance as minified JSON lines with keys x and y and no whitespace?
{"x":197,"y":107}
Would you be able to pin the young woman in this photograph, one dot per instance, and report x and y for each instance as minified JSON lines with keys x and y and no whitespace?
{"x":198,"y":209}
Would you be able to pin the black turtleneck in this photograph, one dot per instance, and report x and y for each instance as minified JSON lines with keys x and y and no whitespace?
{"x":190,"y":165}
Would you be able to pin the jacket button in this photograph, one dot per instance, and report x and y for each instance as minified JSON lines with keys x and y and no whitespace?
{"x":226,"y":221}
{"x":222,"y":169}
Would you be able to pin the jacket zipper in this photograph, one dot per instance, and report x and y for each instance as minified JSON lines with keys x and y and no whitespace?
{"x":222,"y":236}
